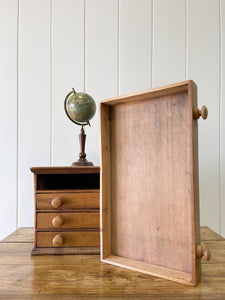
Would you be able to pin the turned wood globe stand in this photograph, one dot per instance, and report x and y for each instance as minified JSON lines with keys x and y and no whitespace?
{"x":82,"y":161}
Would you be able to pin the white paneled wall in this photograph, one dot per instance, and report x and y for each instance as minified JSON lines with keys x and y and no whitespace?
{"x":222,"y":115}
{"x":135,"y":44}
{"x":106,"y":48}
{"x":101,"y":61}
{"x":169,"y":42}
{"x":203,"y":65}
{"x":67,"y":50}
{"x":34,"y":92}
{"x":8,"y":116}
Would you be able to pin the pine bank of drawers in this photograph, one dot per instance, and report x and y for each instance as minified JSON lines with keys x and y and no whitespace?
{"x":66,"y":210}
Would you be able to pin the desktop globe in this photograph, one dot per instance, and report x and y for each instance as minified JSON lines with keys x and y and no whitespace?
{"x":80,"y":109}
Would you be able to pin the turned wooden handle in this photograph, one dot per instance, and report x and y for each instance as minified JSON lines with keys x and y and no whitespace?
{"x":197,"y":113}
{"x":57,"y":202}
{"x":57,"y":221}
{"x":203,"y":252}
{"x":58,"y":240}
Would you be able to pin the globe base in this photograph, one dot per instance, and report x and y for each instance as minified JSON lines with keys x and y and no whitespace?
{"x":82,"y":162}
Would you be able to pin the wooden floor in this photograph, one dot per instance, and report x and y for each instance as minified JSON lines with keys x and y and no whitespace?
{"x":85,"y":277}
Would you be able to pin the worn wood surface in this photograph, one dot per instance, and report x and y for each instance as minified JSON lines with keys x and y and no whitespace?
{"x":105,"y":206}
{"x":156,"y":224}
{"x":69,"y":200}
{"x":84,"y":219}
{"x":192,"y":93}
{"x":85,"y":238}
{"x":64,"y":170}
{"x":84,"y":277}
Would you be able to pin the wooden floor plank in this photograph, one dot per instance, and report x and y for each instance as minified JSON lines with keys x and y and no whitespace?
{"x":23,"y":276}
{"x":26,"y":234}
{"x":208,"y":234}
{"x":22,"y":235}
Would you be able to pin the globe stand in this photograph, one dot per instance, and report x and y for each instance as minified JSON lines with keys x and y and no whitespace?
{"x":82,"y":161}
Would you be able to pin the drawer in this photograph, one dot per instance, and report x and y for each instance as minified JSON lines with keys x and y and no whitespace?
{"x":68,"y":239}
{"x":76,"y":200}
{"x":68,"y":220}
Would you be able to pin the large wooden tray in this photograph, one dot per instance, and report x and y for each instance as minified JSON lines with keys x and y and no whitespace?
{"x":149,"y":183}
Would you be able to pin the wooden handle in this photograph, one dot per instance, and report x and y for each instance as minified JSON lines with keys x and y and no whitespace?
{"x":197,"y":113}
{"x":57,"y":202}
{"x":57,"y":221}
{"x":58,"y":240}
{"x":203,"y":252}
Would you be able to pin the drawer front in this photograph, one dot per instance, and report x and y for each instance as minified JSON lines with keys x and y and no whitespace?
{"x":68,"y":239}
{"x":76,"y":200}
{"x":68,"y":220}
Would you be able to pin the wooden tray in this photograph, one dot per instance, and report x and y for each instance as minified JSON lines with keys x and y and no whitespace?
{"x":149,"y":182}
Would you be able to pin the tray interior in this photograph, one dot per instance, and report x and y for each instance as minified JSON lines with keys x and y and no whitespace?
{"x":150,"y":201}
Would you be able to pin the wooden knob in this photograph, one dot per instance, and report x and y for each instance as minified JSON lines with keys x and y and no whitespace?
{"x":57,"y":221}
{"x":56,"y":202}
{"x":203,"y":252}
{"x":207,"y":254}
{"x":58,"y":240}
{"x":197,"y":113}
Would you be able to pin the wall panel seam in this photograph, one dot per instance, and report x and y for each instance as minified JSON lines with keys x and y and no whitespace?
{"x":51,"y":86}
{"x":17,"y":119}
{"x":118,"y":47}
{"x":85,"y":28}
{"x":151,"y":58}
{"x":186,"y":41}
{"x":220,"y":116}
{"x":152,"y":54}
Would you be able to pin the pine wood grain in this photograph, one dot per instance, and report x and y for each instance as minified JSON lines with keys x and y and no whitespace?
{"x":209,"y":235}
{"x":22,"y":235}
{"x":69,"y":239}
{"x":105,"y":206}
{"x":150,"y":208}
{"x":64,"y":170}
{"x":138,"y":139}
{"x":84,"y":277}
{"x":70,"y":200}
{"x":89,"y":219}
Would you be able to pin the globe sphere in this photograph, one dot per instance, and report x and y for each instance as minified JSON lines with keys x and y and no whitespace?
{"x":80,"y":107}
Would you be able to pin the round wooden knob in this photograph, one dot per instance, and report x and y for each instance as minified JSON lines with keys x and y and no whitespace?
{"x":203,"y":252}
{"x":57,"y":221}
{"x":58,"y":240}
{"x":197,"y":113}
{"x":57,"y":202}
{"x":207,"y":254}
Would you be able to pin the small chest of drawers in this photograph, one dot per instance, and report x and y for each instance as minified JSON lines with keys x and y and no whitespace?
{"x":66,"y":210}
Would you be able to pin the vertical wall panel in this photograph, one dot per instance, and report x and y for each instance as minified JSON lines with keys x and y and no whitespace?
{"x":203,"y":68}
{"x":105,"y":48}
{"x":34,"y":99}
{"x":135,"y":45}
{"x":8,"y":116}
{"x":67,"y":72}
{"x":101,"y":52}
{"x":169,"y":32}
{"x":222,"y":118}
